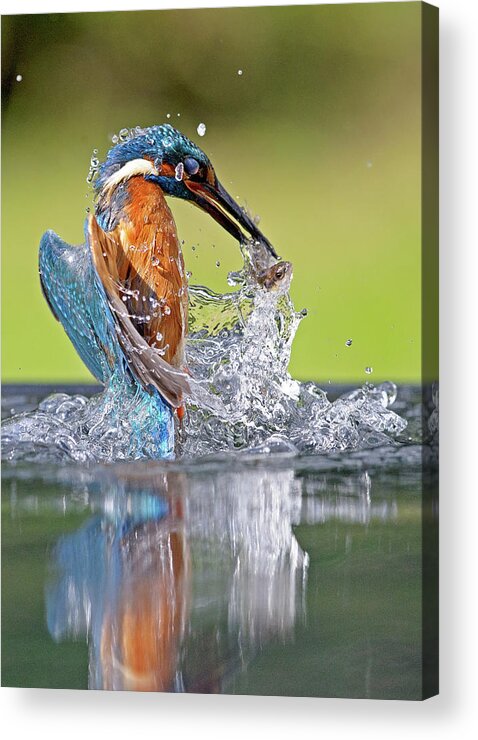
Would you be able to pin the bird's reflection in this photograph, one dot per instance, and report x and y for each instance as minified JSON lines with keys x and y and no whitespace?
{"x":177,"y":581}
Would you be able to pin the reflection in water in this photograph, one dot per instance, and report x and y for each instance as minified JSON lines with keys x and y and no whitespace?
{"x":193,"y":578}
{"x":176,"y":581}
{"x":122,"y":581}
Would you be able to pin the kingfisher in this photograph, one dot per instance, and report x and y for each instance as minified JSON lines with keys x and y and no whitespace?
{"x":122,"y":296}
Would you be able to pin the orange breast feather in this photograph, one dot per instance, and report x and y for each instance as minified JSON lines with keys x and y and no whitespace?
{"x":144,"y":260}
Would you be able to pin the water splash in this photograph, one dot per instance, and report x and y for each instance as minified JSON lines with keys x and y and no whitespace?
{"x":239,"y":350}
{"x":243,"y":397}
{"x":118,"y":424}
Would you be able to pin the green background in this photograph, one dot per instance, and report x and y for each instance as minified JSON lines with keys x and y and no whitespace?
{"x":320,"y":136}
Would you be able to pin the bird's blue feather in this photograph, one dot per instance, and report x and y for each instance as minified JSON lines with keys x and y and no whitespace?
{"x":77,"y":299}
{"x":70,"y":285}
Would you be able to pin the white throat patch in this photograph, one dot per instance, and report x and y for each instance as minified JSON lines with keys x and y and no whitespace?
{"x":130,"y":169}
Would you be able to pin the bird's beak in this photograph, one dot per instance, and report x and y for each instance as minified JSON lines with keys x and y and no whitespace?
{"x":216,"y":201}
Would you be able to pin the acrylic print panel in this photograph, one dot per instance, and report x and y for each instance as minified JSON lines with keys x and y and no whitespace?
{"x":220,"y":425}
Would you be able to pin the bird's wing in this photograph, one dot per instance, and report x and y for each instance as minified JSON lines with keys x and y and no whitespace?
{"x":67,"y":281}
{"x":145,"y":362}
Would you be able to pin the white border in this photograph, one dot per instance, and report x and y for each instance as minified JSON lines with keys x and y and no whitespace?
{"x":31,"y":713}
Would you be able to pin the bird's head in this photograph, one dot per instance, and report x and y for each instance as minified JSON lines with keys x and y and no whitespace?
{"x":164,"y":156}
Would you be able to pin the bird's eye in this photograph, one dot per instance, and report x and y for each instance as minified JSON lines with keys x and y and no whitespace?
{"x":191,"y":166}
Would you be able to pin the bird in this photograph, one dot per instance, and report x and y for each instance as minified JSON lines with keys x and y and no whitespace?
{"x":122,"y":295}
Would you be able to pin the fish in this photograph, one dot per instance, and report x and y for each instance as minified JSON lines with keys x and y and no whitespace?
{"x":277,"y":278}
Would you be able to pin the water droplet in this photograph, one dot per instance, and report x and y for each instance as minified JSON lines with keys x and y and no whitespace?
{"x":390,"y":389}
{"x":218,"y":264}
{"x":201,"y":129}
{"x":179,"y":115}
{"x":168,"y":115}
{"x":166,"y":310}
{"x":19,"y":78}
{"x":239,"y":71}
{"x":348,"y":343}
{"x":88,"y":210}
{"x":257,"y":220}
{"x":189,"y":274}
{"x":125,"y":298}
{"x":124,"y":134}
{"x":179,"y":172}
{"x":159,"y":336}
{"x":155,"y":260}
{"x":193,"y":248}
{"x":114,"y":139}
{"x":94,"y":161}
{"x":369,"y":370}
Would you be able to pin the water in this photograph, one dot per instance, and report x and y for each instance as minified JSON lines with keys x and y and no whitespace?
{"x":242,"y":399}
{"x":280,"y":552}
{"x":258,"y":574}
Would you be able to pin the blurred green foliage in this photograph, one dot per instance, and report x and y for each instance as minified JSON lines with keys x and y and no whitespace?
{"x":320,"y":135}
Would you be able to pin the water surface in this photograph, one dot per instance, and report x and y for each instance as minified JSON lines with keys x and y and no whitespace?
{"x":253,"y":574}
